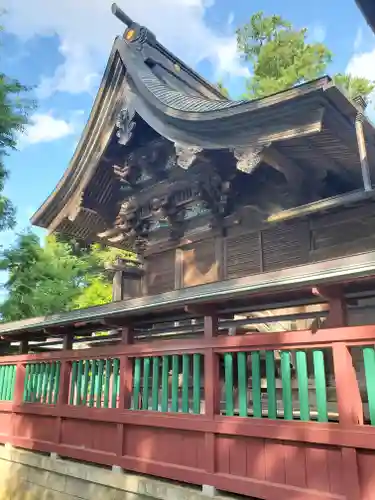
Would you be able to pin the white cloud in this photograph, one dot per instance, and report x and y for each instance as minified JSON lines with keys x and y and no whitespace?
{"x":363,"y":65}
{"x":317,"y":33}
{"x":86,"y":30}
{"x":44,"y":127}
{"x":358,"y":39}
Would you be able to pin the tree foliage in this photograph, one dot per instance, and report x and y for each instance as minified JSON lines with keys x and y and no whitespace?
{"x":14,"y":115}
{"x":282,"y":56}
{"x":51,"y":278}
{"x":354,"y":86}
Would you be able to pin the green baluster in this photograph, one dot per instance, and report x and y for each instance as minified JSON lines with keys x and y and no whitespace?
{"x":26,"y":396}
{"x":155,"y":383}
{"x":196,"y":383}
{"x":5,"y":384}
{"x":51,"y":382}
{"x":271,"y":384}
{"x":14,"y":371}
{"x":164,"y":384}
{"x":79,"y":382}
{"x":369,"y":363}
{"x":46,"y":377}
{"x":100,"y":384}
{"x":286,"y":381}
{"x":228,"y":370}
{"x":106,"y":382}
{"x":174,"y":406}
{"x":146,"y":376}
{"x":93,"y":383}
{"x":242,"y":383}
{"x":73,"y":382}
{"x":185,"y":383}
{"x":115,"y":381}
{"x":2,"y":380}
{"x":303,"y":385}
{"x":256,"y":387}
{"x":40,"y":382}
{"x":320,"y":385}
{"x":57,"y":382}
{"x":86,"y":376}
{"x":137,"y":383}
{"x":32,"y":382}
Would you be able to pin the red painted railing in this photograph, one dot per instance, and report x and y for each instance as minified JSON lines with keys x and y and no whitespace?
{"x":259,"y":457}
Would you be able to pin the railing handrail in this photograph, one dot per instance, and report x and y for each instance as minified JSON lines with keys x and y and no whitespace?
{"x":290,"y":340}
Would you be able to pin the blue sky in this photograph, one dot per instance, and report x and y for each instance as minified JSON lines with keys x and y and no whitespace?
{"x":61,"y":48}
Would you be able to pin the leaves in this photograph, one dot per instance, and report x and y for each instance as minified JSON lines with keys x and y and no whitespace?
{"x":281,"y":57}
{"x":354,"y":86}
{"x":15,"y":110}
{"x":53,"y":278}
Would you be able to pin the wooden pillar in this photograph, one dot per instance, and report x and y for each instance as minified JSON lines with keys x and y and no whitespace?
{"x":68,"y":342}
{"x":24,"y":347}
{"x":361,"y":140}
{"x":19,"y":384}
{"x":347,"y":389}
{"x":117,"y":286}
{"x":125,"y":385}
{"x":211,"y":388}
{"x":337,"y":317}
{"x":64,"y":385}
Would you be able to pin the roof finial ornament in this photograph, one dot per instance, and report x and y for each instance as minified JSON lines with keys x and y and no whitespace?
{"x":121,"y":16}
{"x":135,"y":33}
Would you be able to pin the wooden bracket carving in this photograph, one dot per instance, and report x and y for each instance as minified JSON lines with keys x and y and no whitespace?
{"x":248,"y":159}
{"x":186,"y":155}
{"x":125,"y":122}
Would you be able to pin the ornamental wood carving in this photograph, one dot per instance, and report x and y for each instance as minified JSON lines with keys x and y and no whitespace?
{"x":125,"y":122}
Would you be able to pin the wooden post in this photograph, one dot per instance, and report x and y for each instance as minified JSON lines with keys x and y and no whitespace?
{"x":361,"y":140}
{"x":211,"y":388}
{"x":19,"y":384}
{"x":347,"y":389}
{"x":337,"y":317}
{"x":68,"y":342}
{"x":126,"y":385}
{"x":64,"y":384}
{"x":24,"y":347}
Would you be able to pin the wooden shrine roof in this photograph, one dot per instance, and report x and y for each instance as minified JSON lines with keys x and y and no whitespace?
{"x":368,"y":9}
{"x":147,"y":90}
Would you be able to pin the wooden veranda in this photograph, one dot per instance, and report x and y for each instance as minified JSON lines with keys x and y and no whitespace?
{"x":171,"y":392}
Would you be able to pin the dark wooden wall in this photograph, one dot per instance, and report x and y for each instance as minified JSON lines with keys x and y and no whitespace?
{"x":246,"y":251}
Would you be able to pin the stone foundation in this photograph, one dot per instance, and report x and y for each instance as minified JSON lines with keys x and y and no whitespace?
{"x":26,"y":475}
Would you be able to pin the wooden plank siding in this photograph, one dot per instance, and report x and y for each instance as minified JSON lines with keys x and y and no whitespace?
{"x":246,"y":252}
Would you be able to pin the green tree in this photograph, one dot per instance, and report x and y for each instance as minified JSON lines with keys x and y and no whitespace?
{"x":354,"y":85}
{"x":281,"y":57}
{"x":14,"y":116}
{"x":51,"y":278}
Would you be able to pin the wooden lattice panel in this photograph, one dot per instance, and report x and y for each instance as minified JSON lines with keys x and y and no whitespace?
{"x":285,"y":245}
{"x":242,"y":255}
